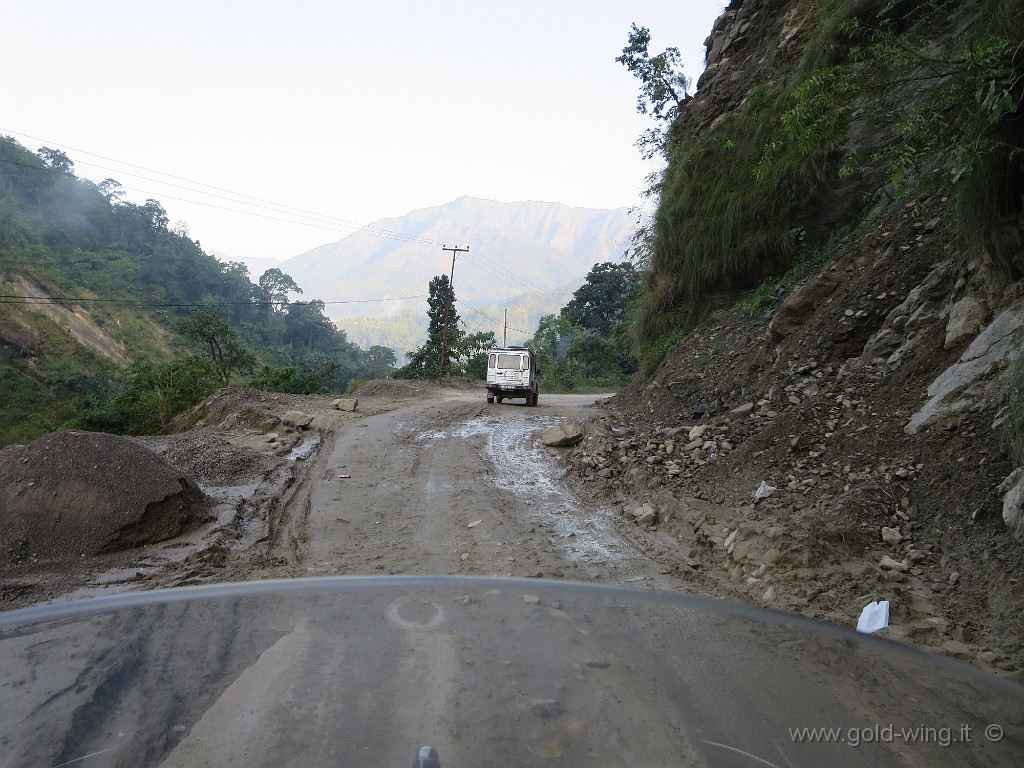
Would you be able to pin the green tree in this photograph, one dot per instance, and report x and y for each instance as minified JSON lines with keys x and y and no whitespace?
{"x":220,"y":340}
{"x":423,"y":362}
{"x":306,"y":326}
{"x":379,"y":361}
{"x":602,"y":302}
{"x":57,"y":161}
{"x":663,"y":86}
{"x":462,"y":351}
{"x":472,"y":354}
{"x":277,"y":285}
{"x":550,"y":341}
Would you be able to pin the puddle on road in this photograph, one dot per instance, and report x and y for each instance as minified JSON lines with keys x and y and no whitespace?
{"x":304,"y":450}
{"x":523,"y":464}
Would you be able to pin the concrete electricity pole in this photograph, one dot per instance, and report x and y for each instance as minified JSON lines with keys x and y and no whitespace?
{"x":456,"y":250}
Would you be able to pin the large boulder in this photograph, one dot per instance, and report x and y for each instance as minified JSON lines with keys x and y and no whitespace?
{"x":73,"y":493}
{"x":1013,"y":503}
{"x":562,"y":435}
{"x":964,"y":383}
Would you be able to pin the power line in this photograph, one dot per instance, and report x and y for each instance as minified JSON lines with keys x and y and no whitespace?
{"x":302,"y":211}
{"x":514,"y":275}
{"x":367,"y":230}
{"x":17,"y":299}
{"x":484,"y":315}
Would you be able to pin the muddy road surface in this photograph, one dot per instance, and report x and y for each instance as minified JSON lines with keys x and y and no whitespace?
{"x":461,"y":487}
{"x":416,"y":480}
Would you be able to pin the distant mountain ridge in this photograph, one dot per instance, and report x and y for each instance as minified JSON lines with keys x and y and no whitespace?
{"x":516,"y":249}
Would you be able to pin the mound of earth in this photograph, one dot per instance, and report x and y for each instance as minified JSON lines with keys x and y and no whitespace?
{"x":390,"y":388}
{"x":242,"y":408}
{"x":73,"y":493}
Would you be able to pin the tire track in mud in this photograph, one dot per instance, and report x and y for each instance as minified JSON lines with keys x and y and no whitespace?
{"x":586,"y":534}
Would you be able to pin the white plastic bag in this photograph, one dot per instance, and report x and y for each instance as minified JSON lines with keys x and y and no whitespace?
{"x":764,"y":490}
{"x":874,"y":617}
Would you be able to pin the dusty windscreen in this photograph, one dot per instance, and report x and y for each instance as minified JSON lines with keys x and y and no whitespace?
{"x":510,"y":361}
{"x":366,"y":671}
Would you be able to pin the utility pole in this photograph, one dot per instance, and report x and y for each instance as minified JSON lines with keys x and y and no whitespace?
{"x":456,"y":250}
{"x":504,"y":335}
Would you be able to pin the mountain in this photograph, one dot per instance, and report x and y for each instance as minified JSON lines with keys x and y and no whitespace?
{"x":516,"y":249}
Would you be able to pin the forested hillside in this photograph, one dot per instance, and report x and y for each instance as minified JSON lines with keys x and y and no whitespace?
{"x":112,"y":318}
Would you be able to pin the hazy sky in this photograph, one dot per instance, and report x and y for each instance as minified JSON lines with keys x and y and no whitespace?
{"x":354,"y":110}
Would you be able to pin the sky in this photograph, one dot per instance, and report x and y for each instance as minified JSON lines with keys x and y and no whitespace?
{"x":270,"y":128}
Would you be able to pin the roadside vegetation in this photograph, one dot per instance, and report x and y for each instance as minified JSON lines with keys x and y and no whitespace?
{"x":586,"y":346}
{"x":186,"y":323}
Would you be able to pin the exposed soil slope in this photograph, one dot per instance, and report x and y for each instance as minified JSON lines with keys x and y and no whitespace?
{"x":816,"y":398}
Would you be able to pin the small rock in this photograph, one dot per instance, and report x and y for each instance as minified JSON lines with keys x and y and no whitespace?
{"x":891,"y":536}
{"x":698,"y":431}
{"x":888,"y":564}
{"x":740,"y":550}
{"x":345,"y":403}
{"x":769,"y":595}
{"x":957,"y":649}
{"x":645,"y":515}
{"x":531,"y":599}
{"x":297,"y":419}
{"x":742,"y":410}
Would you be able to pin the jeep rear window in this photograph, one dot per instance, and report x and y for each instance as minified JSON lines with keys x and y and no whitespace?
{"x":510,"y":361}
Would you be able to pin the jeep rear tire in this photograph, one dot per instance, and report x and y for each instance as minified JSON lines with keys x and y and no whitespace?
{"x":490,"y":398}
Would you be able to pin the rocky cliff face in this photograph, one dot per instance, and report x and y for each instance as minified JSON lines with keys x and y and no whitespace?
{"x":868,"y":390}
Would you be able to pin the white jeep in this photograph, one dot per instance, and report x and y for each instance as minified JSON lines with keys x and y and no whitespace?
{"x":512,"y":372}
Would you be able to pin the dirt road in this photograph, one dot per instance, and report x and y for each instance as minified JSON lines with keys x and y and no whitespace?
{"x":459,"y":486}
{"x":417,"y":480}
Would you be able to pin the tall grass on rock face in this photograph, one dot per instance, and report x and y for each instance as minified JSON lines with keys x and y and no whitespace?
{"x":726,"y":216}
{"x":889,"y":94}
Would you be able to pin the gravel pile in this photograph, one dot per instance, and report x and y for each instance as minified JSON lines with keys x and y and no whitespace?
{"x":214,"y":461}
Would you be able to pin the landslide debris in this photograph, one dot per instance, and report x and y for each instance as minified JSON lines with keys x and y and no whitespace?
{"x":819,"y":397}
{"x":72,"y":494}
